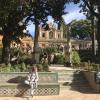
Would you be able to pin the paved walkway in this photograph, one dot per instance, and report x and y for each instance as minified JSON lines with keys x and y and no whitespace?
{"x":59,"y":68}
{"x":64,"y":95}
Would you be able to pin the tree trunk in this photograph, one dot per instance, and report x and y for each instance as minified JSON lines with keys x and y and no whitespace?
{"x":93,"y":29}
{"x":36,"y":45}
{"x":59,"y":25}
{"x":98,"y":40}
{"x":6,"y":50}
{"x":98,"y":35}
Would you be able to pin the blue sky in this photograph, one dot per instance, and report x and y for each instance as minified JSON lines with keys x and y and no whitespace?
{"x":73,"y":13}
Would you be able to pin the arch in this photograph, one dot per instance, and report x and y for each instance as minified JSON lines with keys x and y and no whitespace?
{"x":51,"y":35}
{"x":43,"y":35}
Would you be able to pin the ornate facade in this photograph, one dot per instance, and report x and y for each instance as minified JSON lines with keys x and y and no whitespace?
{"x":51,"y":37}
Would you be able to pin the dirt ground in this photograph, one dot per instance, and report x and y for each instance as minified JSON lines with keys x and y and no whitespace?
{"x":64,"y":95}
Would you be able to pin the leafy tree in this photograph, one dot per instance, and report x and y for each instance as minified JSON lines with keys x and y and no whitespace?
{"x":38,"y":12}
{"x":40,"y":9}
{"x":92,"y":9}
{"x":12,"y":12}
{"x":58,"y":9}
{"x":11,"y":22}
{"x":81,"y":28}
{"x":65,"y":28}
{"x":49,"y":51}
{"x":75,"y":57}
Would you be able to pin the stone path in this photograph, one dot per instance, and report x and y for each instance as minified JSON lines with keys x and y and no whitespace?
{"x":64,"y":95}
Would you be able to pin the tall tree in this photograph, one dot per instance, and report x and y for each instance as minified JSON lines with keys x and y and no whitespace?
{"x":92,"y":8}
{"x":65,"y":28}
{"x":58,"y":9}
{"x":81,"y":28}
{"x":40,"y":9}
{"x":11,"y":22}
{"x":13,"y":11}
{"x":38,"y":12}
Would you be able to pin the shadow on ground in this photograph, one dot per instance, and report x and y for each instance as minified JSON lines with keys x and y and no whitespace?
{"x":20,"y":85}
{"x":80,"y":84}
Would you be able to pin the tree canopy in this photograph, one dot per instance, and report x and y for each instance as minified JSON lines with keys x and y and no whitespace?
{"x":81,"y":29}
{"x":92,"y":10}
{"x":11,"y":18}
{"x":11,"y":24}
{"x":12,"y":13}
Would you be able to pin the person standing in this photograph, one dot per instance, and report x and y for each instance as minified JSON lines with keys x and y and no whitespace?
{"x":32,"y":80}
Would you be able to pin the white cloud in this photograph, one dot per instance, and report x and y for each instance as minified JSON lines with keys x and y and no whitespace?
{"x":73,"y":15}
{"x":31,"y":29}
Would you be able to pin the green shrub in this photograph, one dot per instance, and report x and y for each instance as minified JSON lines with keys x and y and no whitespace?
{"x":50,"y":50}
{"x":90,"y":66}
{"x":39,"y":67}
{"x":95,"y":67}
{"x":75,"y":57}
{"x":23,"y":67}
{"x":86,"y":55}
{"x":59,"y":59}
{"x":45,"y":67}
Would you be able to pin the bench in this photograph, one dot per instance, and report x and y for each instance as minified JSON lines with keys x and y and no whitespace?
{"x":12,"y":84}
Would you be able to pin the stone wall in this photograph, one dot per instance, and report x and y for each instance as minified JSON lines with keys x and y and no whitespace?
{"x":90,"y":76}
{"x":12,"y":84}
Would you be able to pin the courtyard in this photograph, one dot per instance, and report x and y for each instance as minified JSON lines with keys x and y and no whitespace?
{"x":54,"y":45}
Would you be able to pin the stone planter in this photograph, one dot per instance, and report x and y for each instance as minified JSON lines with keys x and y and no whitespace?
{"x":90,"y":76}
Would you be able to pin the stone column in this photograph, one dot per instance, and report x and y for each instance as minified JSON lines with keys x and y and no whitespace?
{"x":61,"y":35}
{"x":47,"y":35}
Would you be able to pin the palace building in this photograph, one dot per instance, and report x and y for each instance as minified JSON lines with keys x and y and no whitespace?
{"x":51,"y":38}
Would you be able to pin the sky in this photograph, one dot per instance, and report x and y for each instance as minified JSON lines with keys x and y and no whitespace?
{"x":73,"y":14}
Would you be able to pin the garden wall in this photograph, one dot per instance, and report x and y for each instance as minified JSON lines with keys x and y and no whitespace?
{"x":90,"y":76}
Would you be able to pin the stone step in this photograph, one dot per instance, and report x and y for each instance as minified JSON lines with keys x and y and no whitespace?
{"x":73,"y":82}
{"x":75,"y":85}
{"x":63,"y":69}
{"x":76,"y":88}
{"x":70,"y":78}
{"x":66,"y":71}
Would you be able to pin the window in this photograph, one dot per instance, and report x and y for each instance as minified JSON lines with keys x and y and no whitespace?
{"x":43,"y":35}
{"x":50,"y":35}
{"x":59,"y":36}
{"x":43,"y":45}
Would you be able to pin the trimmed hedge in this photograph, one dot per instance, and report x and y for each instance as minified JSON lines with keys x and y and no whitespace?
{"x":75,"y":57}
{"x":86,"y":55}
{"x":22,"y":67}
{"x":59,"y":59}
{"x":90,"y":66}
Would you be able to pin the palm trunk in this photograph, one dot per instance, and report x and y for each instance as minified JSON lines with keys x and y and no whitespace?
{"x":59,"y":25}
{"x":36,"y":49}
{"x":6,"y":50}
